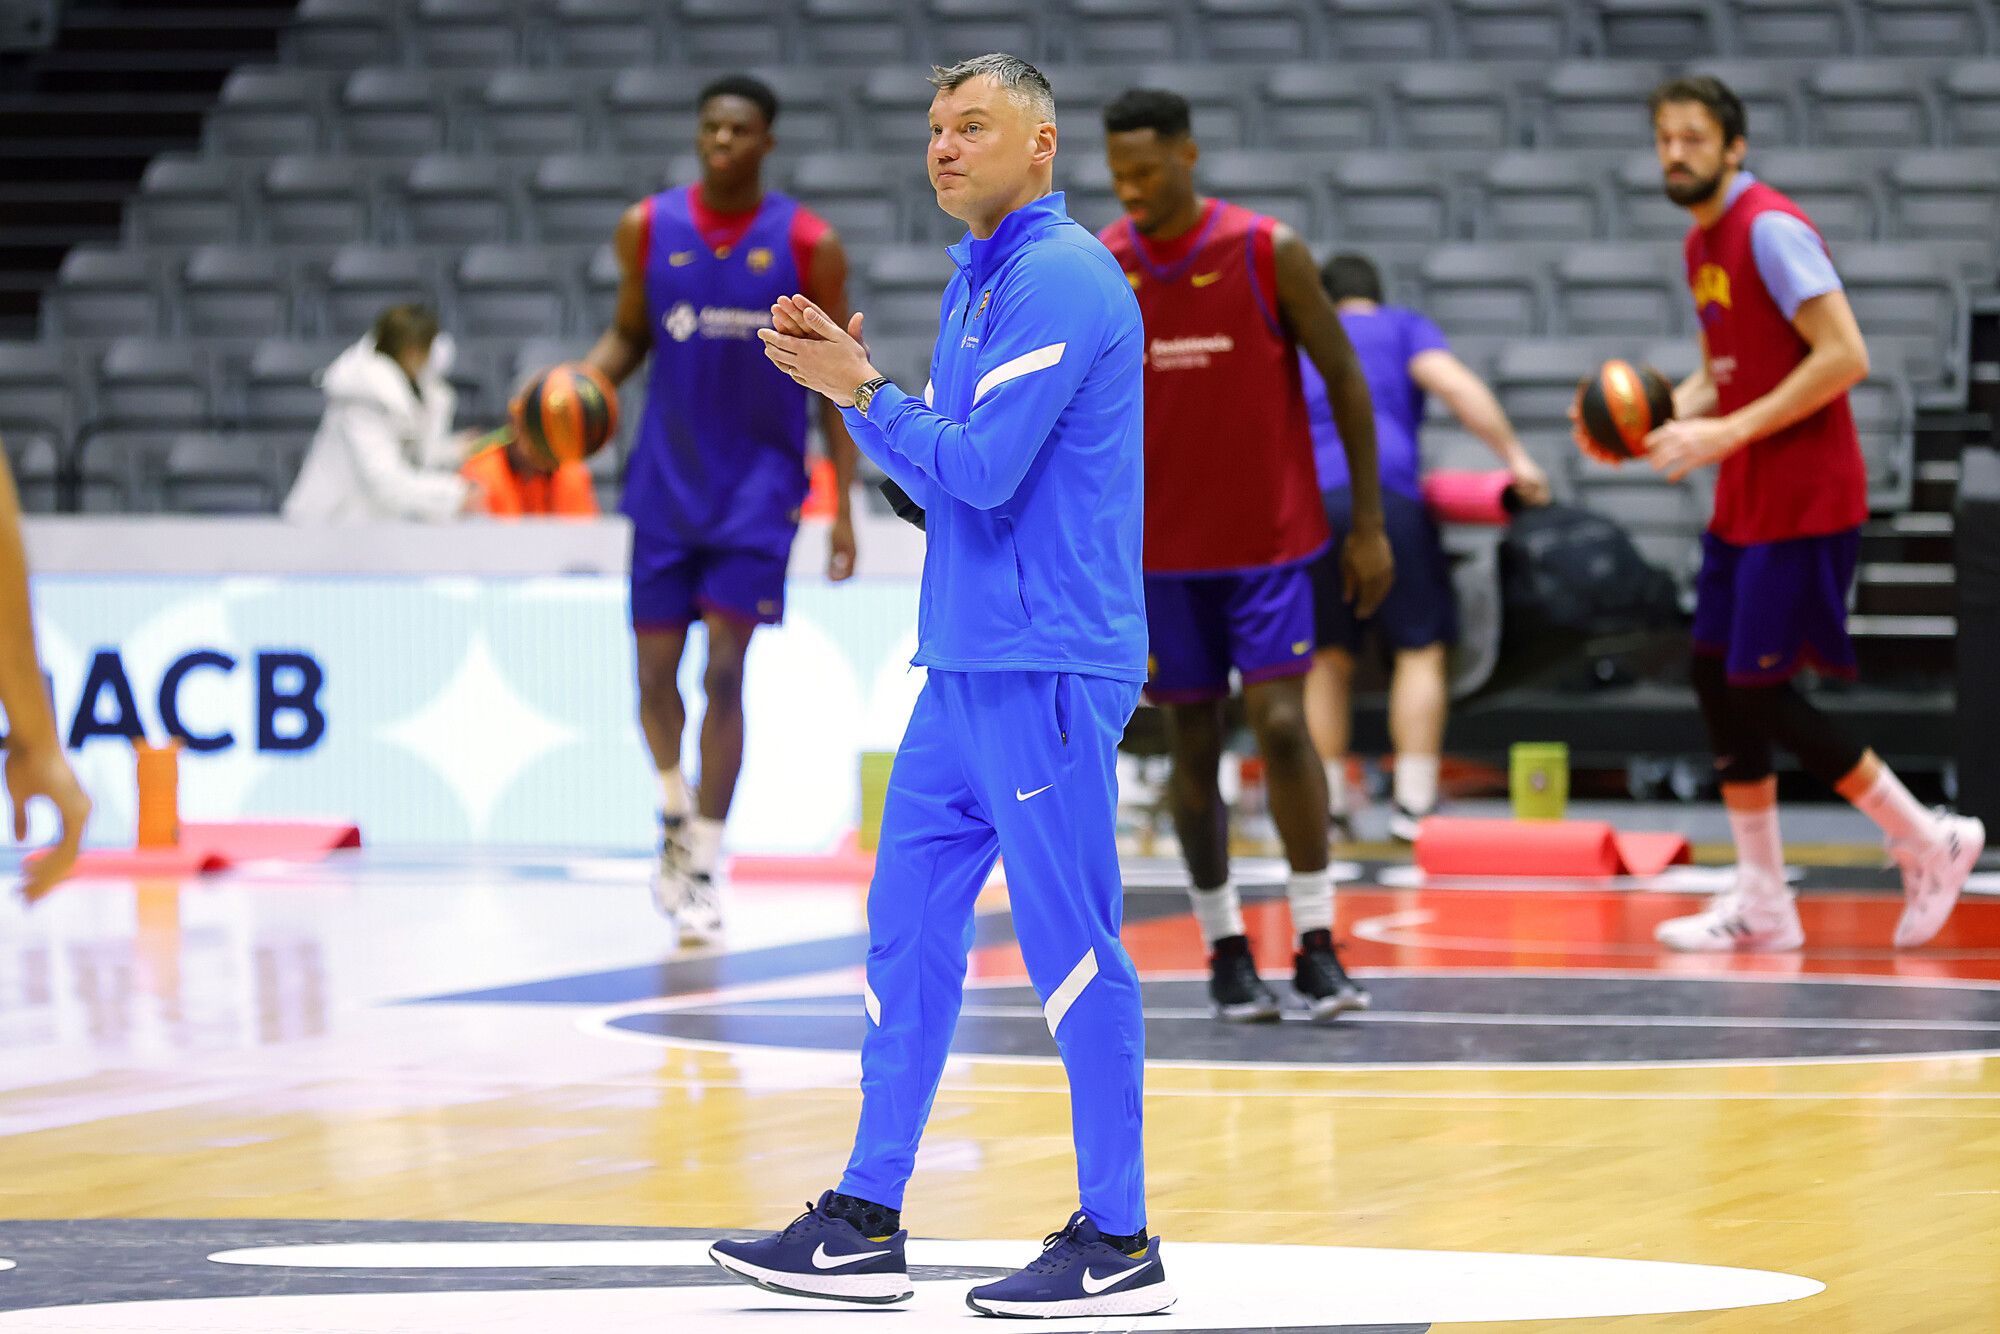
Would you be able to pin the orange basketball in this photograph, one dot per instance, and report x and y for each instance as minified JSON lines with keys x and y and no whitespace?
{"x":1622,"y":404}
{"x":566,"y":413}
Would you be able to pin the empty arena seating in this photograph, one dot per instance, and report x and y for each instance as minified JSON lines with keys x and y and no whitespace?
{"x":1491,"y":154}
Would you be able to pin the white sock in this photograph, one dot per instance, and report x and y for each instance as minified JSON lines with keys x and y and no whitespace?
{"x":674,"y":793}
{"x":705,"y":845}
{"x":1218,"y":911}
{"x":1337,"y":795}
{"x":1760,"y":851}
{"x":1901,"y":816}
{"x":1417,"y":783}
{"x":1311,"y":895}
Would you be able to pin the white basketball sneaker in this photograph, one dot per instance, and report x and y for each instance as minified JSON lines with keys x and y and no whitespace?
{"x":1737,"y":919}
{"x":671,"y":875}
{"x":700,"y":917}
{"x":1934,"y":874}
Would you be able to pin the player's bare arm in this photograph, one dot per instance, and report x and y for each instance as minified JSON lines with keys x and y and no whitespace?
{"x":1440,"y":373}
{"x":620,"y":348}
{"x":1836,"y":361}
{"x":828,"y":290}
{"x":1366,"y":567}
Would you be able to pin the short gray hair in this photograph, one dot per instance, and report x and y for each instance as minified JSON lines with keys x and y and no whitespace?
{"x":1028,"y":86}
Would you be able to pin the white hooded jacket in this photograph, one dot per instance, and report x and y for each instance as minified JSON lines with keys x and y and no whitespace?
{"x":381,"y":452}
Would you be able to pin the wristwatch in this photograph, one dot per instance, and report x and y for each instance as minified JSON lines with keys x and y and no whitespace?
{"x":864,"y":394}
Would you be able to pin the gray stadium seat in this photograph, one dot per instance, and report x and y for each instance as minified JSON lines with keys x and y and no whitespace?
{"x":1907,"y":299}
{"x":532,"y":112}
{"x":1451,"y":106}
{"x":1515,"y":29}
{"x":651,"y":111}
{"x":1253,"y":29}
{"x":233,"y":292}
{"x":1376,"y":30}
{"x":465,"y":34}
{"x":392,"y":112}
{"x":731,"y":32}
{"x":601,"y":34}
{"x":1792,"y":29}
{"x":103,"y":293}
{"x":511,"y":290}
{"x":1621,"y":291}
{"x":905,"y":284}
{"x":893,"y":110}
{"x":362,"y":280}
{"x":812,"y":116}
{"x":578,"y":200}
{"x":1656,"y":29}
{"x":1928,"y":27}
{"x":449,"y":200}
{"x":600,"y":287}
{"x":186,"y":201}
{"x":218,"y":474}
{"x":1222,"y":98}
{"x":1971,"y":97}
{"x":1481,"y":289}
{"x":1389,"y":197}
{"x":281,"y":383}
{"x":37,"y":398}
{"x":37,"y":464}
{"x":1951,"y":192}
{"x":1539,"y":197}
{"x":1596,"y":104}
{"x":154,"y":381}
{"x":1868,"y":104}
{"x":1675,"y":358}
{"x":1885,"y":419}
{"x":343,"y":34}
{"x":1770,"y":98}
{"x":316,"y":200}
{"x":1322,"y":108}
{"x":855,"y":32}
{"x":262,"y":111}
{"x":1110,"y":30}
{"x":1640,"y":206}
{"x":1268,"y":182}
{"x":1086,"y":182}
{"x":1837,"y":188}
{"x":859,"y":194}
{"x":121,"y":470}
{"x":989,"y":25}
{"x":1536,"y":379}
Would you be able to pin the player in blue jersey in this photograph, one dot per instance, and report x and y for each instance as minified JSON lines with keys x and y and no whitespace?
{"x":718,"y":471}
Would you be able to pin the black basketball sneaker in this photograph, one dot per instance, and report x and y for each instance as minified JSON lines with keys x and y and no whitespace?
{"x":1321,"y":982}
{"x":1236,"y":993}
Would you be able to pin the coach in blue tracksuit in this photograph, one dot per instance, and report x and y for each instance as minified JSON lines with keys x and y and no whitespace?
{"x":1025,"y":453}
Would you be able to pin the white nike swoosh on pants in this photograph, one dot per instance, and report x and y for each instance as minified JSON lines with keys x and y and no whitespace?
{"x":1019,"y":795}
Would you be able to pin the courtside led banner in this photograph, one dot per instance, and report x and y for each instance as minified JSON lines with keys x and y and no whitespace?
{"x":453,"y":710}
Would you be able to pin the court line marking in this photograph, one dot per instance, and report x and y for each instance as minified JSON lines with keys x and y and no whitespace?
{"x":600,"y":1022}
{"x":1387,"y":929}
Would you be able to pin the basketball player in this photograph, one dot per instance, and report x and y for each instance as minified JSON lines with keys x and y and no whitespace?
{"x":1233,"y":522}
{"x":718,"y":471}
{"x":1404,"y":357}
{"x":1024,"y":451}
{"x":1780,"y":349}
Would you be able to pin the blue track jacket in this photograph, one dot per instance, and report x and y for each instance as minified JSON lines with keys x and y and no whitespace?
{"x":1026,"y":452}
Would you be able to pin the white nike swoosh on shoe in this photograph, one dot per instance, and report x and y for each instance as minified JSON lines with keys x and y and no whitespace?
{"x":1019,"y":795}
{"x":821,"y":1260}
{"x":1093,"y":1285}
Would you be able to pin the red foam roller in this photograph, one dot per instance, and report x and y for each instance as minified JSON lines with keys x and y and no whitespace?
{"x":1447,"y":846}
{"x":1467,"y":497}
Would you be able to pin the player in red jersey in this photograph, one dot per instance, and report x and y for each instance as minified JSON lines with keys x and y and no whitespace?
{"x":1780,"y":349}
{"x":1233,"y":521}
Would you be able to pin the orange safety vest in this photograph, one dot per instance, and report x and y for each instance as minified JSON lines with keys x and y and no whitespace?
{"x":566,"y":492}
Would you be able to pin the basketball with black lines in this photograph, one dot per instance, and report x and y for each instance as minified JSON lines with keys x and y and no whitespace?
{"x":565,"y":413}
{"x":1621,"y":405}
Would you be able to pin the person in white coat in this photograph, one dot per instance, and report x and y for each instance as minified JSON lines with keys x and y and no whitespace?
{"x":385,"y":448}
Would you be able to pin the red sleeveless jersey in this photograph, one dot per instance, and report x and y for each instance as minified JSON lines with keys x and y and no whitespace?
{"x":1230,"y":482}
{"x":1808,"y":479}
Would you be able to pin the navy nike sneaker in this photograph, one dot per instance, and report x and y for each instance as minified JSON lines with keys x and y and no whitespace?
{"x":1079,"y":1274}
{"x":822,"y":1256}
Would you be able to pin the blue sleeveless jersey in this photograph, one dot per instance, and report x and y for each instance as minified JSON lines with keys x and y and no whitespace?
{"x":720,"y":459}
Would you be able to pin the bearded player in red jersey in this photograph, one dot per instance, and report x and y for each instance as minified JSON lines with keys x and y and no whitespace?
{"x":1780,"y":349}
{"x":1233,"y":522}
